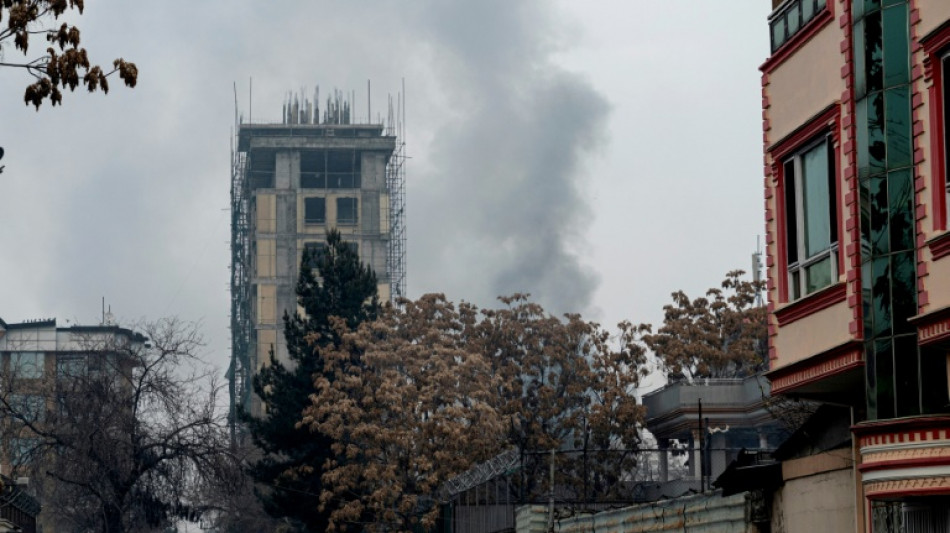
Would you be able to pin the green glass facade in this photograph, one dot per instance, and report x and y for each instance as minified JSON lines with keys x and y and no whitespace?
{"x":886,"y":197}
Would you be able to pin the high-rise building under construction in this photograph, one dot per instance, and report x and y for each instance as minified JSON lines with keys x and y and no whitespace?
{"x":290,"y":182}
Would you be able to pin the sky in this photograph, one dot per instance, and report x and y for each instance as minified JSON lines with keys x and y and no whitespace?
{"x":599,"y":155}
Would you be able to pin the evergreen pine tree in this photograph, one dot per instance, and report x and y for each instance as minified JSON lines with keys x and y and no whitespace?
{"x":293,"y":458}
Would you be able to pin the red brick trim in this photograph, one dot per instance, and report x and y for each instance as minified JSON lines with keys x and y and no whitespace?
{"x":811,"y":304}
{"x":932,"y":327}
{"x":934,"y":45}
{"x":835,"y":361}
{"x":788,"y":49}
{"x":903,"y":463}
{"x":851,"y":213}
{"x":900,"y":430}
{"x":939,"y":245}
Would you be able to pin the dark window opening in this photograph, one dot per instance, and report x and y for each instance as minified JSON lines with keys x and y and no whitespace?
{"x":313,"y":253}
{"x":333,"y":169}
{"x":346,"y":211}
{"x":262,"y":165}
{"x":315,"y":210}
{"x":790,"y":20}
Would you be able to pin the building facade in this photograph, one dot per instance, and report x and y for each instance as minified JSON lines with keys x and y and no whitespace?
{"x":291,"y":182}
{"x":36,"y":359}
{"x":858,"y":253}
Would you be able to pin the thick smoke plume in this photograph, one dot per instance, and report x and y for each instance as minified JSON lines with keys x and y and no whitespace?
{"x":503,"y":207}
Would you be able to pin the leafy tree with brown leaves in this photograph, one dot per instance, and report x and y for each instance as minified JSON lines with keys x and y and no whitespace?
{"x":422,"y":394}
{"x":408,"y":408}
{"x":721,"y":335}
{"x":566,"y":385}
{"x":64,"y":63}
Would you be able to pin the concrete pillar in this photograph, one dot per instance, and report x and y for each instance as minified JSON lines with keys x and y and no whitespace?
{"x":717,"y":455}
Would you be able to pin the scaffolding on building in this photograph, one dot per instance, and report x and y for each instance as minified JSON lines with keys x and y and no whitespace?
{"x":242,"y":327}
{"x":396,"y":183}
{"x":299,"y":110}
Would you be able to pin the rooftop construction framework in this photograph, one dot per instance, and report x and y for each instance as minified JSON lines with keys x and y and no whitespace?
{"x":291,"y":181}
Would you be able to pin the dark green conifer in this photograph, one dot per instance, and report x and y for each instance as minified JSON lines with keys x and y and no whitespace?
{"x":293,"y":458}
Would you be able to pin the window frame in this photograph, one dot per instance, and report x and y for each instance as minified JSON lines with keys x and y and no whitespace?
{"x":355,"y":220}
{"x":824,"y":124}
{"x":799,"y":267}
{"x":306,"y":214}
{"x":936,"y":48}
{"x":38,"y":365}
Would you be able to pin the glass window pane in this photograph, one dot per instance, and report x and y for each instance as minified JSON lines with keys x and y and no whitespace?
{"x":896,"y":51}
{"x":794,"y":19}
{"x":315,"y":210}
{"x":900,"y":192}
{"x":818,"y":275}
{"x":778,"y":32}
{"x":70,"y":365}
{"x":816,"y":198}
{"x":884,"y":364}
{"x":880,"y":242}
{"x":808,"y":10}
{"x":27,"y":365}
{"x":904,"y":290}
{"x":866,"y":298}
{"x":870,"y":375}
{"x":897,"y":103}
{"x":861,"y":129}
{"x":907,"y":387}
{"x":796,"y":291}
{"x":346,"y":211}
{"x":860,"y":73}
{"x":881,"y":297}
{"x":864,"y":190}
{"x":877,"y":150}
{"x":791,"y":212}
{"x":873,"y":60}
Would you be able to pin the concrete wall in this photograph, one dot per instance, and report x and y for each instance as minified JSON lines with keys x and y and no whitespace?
{"x":819,"y":502}
{"x":707,"y":513}
{"x":806,"y":83}
{"x":812,"y":334}
{"x":933,"y":13}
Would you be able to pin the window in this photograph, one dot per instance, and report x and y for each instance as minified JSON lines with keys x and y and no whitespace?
{"x":22,"y":451}
{"x":785,"y":23}
{"x":313,"y":253}
{"x":30,"y":407}
{"x":811,"y":218}
{"x":27,"y":365}
{"x":346,"y":211}
{"x":315,"y":210}
{"x":70,"y":365}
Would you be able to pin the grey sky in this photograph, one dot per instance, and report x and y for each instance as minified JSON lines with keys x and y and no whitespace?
{"x":599,"y":155}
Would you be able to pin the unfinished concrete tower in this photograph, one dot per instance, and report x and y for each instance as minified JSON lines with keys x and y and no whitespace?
{"x":291,"y":182}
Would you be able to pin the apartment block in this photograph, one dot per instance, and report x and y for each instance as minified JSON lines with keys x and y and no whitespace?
{"x":855,"y":110}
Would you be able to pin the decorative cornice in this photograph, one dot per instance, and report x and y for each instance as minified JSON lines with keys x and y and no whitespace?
{"x":939,"y":245}
{"x":832,"y":362}
{"x":918,"y":486}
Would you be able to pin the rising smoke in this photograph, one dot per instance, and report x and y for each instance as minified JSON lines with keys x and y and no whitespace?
{"x":503,"y":207}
